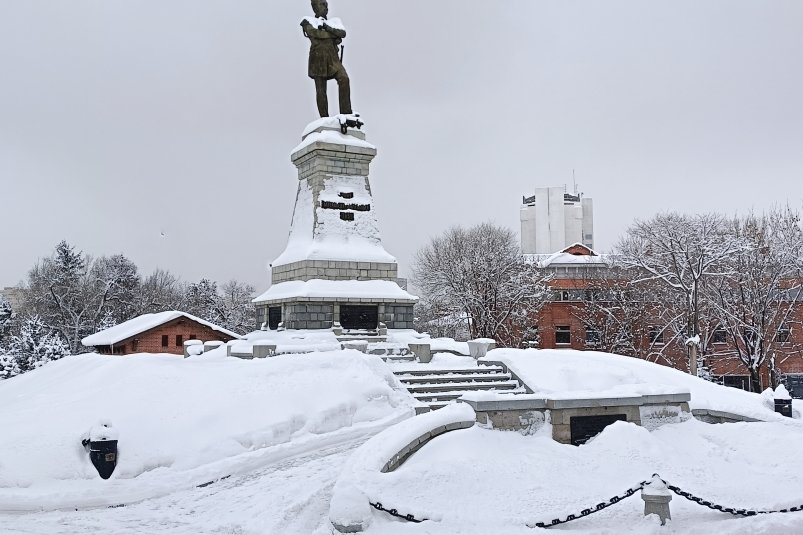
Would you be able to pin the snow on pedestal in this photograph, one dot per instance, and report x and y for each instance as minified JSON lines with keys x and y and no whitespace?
{"x":334,"y":256}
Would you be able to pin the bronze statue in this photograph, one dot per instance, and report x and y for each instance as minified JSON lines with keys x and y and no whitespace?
{"x":325,"y":59}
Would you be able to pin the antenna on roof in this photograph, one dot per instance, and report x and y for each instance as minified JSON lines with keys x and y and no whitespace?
{"x":574,"y":182}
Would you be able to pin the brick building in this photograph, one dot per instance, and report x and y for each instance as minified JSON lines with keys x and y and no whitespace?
{"x":595,"y":307}
{"x":164,"y":332}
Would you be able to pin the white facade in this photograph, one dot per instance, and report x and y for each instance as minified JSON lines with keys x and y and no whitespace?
{"x":551,"y":220}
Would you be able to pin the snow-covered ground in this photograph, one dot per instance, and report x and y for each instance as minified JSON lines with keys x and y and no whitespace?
{"x":566,"y":373}
{"x":478,"y":481}
{"x":181,"y":422}
{"x":283,"y":429}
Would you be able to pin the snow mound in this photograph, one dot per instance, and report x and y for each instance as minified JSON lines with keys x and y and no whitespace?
{"x":174,"y":415}
{"x":565,"y":373}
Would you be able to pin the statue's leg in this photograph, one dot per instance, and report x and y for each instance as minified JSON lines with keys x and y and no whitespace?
{"x":344,"y":90}
{"x":320,"y":95}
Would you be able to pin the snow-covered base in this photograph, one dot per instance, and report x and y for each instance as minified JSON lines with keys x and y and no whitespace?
{"x":350,"y":509}
{"x":181,"y":422}
{"x":476,"y":481}
{"x":564,"y":373}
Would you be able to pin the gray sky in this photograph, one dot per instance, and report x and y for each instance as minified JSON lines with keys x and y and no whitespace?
{"x":120,"y":120}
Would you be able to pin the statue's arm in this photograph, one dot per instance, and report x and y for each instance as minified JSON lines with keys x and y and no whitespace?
{"x":337,"y":33}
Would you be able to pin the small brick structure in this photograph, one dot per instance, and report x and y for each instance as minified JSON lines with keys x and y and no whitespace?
{"x":164,"y":332}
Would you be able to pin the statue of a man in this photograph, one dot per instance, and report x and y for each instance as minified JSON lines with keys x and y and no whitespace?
{"x":324,"y":58}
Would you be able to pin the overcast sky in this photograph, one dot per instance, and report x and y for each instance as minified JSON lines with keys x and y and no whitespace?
{"x":122,"y":120}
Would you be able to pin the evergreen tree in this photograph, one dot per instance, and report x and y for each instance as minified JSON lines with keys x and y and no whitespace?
{"x":34,"y":346}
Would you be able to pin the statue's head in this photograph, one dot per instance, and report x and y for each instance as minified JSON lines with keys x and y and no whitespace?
{"x":320,"y":7}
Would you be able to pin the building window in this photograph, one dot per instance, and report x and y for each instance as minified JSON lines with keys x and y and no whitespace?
{"x":737,"y":381}
{"x":783,"y":334}
{"x":562,"y":295}
{"x":134,"y":345}
{"x":592,"y":337}
{"x":165,"y":340}
{"x":719,"y":336}
{"x":192,"y":337}
{"x":656,"y":335}
{"x":563,"y":334}
{"x":179,"y":340}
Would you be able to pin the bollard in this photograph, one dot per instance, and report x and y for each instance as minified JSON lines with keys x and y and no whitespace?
{"x":422,"y":351}
{"x":656,"y":499}
{"x":102,"y":446}
{"x":783,"y":401}
{"x":479,"y":348}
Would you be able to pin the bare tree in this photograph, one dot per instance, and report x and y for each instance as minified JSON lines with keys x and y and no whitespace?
{"x":755,"y":297}
{"x":479,"y":272}
{"x":681,"y":252}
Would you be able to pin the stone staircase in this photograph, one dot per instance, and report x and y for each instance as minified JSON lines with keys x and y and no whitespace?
{"x":435,"y":388}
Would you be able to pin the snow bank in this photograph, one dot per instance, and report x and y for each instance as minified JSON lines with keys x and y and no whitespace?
{"x":174,"y":415}
{"x":564,"y":373}
{"x":479,"y":481}
{"x":350,"y":508}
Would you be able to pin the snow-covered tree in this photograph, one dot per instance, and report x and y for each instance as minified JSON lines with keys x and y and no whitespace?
{"x":6,"y":314}
{"x":682,"y":252}
{"x":440,"y":322}
{"x":236,"y":308}
{"x":160,"y":291}
{"x":479,"y":273}
{"x":755,"y":297}
{"x":34,"y":346}
{"x":202,"y":300}
{"x":73,"y":294}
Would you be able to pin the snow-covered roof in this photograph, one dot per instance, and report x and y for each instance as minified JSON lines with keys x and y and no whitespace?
{"x":325,"y":289}
{"x":143,"y":323}
{"x":564,"y":257}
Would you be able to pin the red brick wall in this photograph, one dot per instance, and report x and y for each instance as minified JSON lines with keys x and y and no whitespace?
{"x":151,"y":341}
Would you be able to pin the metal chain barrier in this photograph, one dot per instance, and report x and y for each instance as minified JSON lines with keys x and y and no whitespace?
{"x":732,"y":510}
{"x":393,"y":512}
{"x":591,"y":510}
{"x":616,"y":499}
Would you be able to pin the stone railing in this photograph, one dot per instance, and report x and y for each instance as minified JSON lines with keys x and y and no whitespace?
{"x":350,"y":508}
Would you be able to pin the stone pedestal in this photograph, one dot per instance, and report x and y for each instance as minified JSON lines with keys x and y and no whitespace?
{"x":334,"y":256}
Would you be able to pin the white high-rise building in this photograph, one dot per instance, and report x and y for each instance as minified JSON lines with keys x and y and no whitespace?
{"x":552,"y":219}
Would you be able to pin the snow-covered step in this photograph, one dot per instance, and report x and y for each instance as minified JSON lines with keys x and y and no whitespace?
{"x":455,"y":378}
{"x":391,"y":359}
{"x":478,"y":370}
{"x":468,"y":387}
{"x":440,"y":396}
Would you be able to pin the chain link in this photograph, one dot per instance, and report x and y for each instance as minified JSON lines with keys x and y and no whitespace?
{"x":616,"y":499}
{"x":591,"y":510}
{"x":393,"y":512}
{"x":731,"y":510}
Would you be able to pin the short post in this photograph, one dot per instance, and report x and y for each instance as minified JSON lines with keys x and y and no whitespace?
{"x":479,"y":348}
{"x":656,"y":499}
{"x":783,"y":401}
{"x":264,"y":349}
{"x":193,"y":347}
{"x":422,"y":351}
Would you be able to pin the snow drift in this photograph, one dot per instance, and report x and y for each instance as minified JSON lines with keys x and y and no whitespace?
{"x":174,"y":415}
